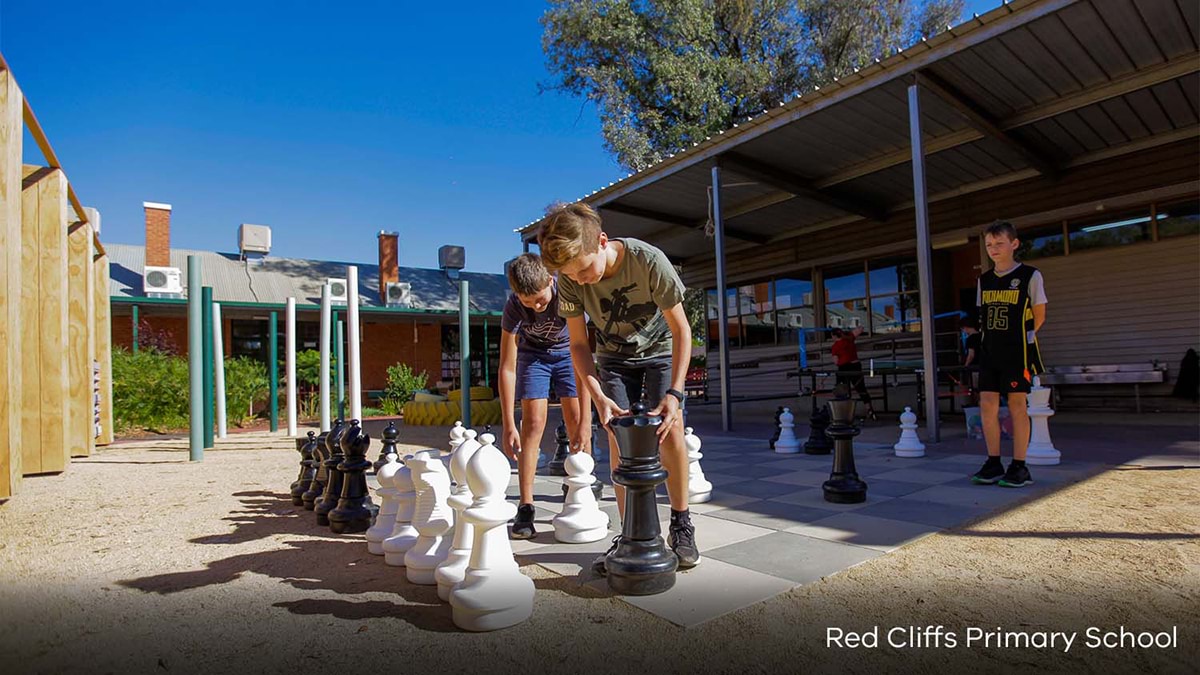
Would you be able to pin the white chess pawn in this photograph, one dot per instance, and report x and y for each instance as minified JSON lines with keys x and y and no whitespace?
{"x":787,"y":443}
{"x":493,"y":594}
{"x":452,"y":569}
{"x":581,"y":520}
{"x":699,"y":489}
{"x":1041,"y":449}
{"x":403,"y":535}
{"x":910,"y":444}
{"x":432,"y":518}
{"x":458,"y":433}
{"x":385,"y":520}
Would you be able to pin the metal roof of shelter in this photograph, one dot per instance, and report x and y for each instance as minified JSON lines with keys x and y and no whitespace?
{"x":1032,"y":87}
{"x":272,"y":280}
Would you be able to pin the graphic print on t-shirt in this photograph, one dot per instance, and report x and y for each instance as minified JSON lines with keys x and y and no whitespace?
{"x":619,"y":310}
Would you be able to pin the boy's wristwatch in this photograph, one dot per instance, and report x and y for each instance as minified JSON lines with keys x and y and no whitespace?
{"x":677,"y":394}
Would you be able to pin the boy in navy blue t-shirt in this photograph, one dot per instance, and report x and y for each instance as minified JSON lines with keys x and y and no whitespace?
{"x":535,"y":356}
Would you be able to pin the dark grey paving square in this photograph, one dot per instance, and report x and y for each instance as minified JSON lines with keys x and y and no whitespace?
{"x":925,"y":512}
{"x":893,"y":488}
{"x":756,"y":488}
{"x":751,"y":470}
{"x":814,"y":497}
{"x":718,"y":478}
{"x":792,"y":556}
{"x":982,"y":496}
{"x":774,"y":515}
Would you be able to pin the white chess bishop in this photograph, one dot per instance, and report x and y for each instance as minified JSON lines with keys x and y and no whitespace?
{"x":432,"y":518}
{"x":403,"y":535}
{"x":450,"y":573}
{"x":493,"y":594}
{"x":385,"y":520}
{"x":581,"y":520}
{"x":699,"y":488}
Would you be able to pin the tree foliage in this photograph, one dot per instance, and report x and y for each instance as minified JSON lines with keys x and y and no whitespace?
{"x":665,"y":74}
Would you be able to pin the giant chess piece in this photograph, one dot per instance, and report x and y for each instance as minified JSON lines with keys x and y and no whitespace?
{"x":562,"y":448}
{"x":307,"y":470}
{"x":699,"y":488}
{"x":493,"y":593}
{"x":458,"y":434}
{"x":389,"y":503}
{"x":581,"y":520}
{"x":452,"y":570}
{"x":1041,"y":448}
{"x":299,"y":477}
{"x":910,"y":444}
{"x":843,"y":486}
{"x":313,"y":494}
{"x":775,"y":435}
{"x":333,"y":484}
{"x":352,"y":513}
{"x":433,"y":518}
{"x":787,"y":443}
{"x":641,"y":564}
{"x":403,"y":535}
{"x":390,"y":434}
{"x":818,"y":442}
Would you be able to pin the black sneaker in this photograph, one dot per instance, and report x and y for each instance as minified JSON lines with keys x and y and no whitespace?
{"x":682,"y":540}
{"x":598,"y":566}
{"x":1016,"y":476}
{"x":989,"y":473}
{"x":523,"y":524}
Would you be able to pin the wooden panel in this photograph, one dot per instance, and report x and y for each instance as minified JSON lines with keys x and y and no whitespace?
{"x":10,"y":289}
{"x":44,"y":327}
{"x":102,"y":315}
{"x":81,"y":437}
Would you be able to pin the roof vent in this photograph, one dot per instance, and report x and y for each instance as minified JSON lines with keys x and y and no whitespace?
{"x":452,"y":259}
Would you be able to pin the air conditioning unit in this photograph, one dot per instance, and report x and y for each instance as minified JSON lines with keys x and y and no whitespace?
{"x":398,"y":294}
{"x":254,"y":239}
{"x":339,"y":291}
{"x":452,"y":259}
{"x":162,"y":282}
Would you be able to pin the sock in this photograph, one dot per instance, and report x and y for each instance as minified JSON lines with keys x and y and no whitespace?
{"x":993,"y":458}
{"x":1018,"y":462}
{"x":685,"y":514}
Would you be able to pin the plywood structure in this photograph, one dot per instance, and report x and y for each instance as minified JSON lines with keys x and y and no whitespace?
{"x":10,"y":296}
{"x":44,"y":289}
{"x":102,"y":332}
{"x":81,"y":348}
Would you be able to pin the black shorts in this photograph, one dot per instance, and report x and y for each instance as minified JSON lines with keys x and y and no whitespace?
{"x":1005,"y":380}
{"x":626,"y":384}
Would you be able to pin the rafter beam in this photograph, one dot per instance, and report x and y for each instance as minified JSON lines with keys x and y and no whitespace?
{"x":797,"y":185}
{"x":983,"y":121}
{"x":682,"y":222}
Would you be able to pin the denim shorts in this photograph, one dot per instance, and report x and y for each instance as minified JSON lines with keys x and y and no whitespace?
{"x":626,"y":384}
{"x":538,"y":371}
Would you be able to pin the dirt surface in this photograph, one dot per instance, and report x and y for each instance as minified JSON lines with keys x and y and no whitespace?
{"x":137,"y":561}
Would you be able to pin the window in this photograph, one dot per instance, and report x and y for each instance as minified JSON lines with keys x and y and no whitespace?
{"x":756,"y":304}
{"x":845,"y":296}
{"x":794,"y":307}
{"x":733,"y":326}
{"x":1042,"y":242}
{"x":1178,"y":220}
{"x":1110,"y":231}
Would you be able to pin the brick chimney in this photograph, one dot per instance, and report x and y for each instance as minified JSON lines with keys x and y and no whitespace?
{"x":158,"y":234}
{"x":389,"y":261}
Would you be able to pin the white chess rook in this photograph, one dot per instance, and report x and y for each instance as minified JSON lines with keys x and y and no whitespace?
{"x":404,"y":535}
{"x":581,"y":520}
{"x":910,"y":444}
{"x":432,"y":519}
{"x":385,"y":520}
{"x":450,"y":573}
{"x":699,"y":489}
{"x":787,"y":443}
{"x":493,"y":594}
{"x":1041,"y":449}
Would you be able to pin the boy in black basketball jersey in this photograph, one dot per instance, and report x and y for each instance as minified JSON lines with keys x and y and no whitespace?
{"x":1012,"y":307}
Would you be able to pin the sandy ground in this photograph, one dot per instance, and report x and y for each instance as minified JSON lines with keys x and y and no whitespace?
{"x":138,"y":561}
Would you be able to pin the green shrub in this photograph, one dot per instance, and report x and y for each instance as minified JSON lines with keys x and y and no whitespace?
{"x":150,"y":390}
{"x":402,"y":381}
{"x":245,"y":383}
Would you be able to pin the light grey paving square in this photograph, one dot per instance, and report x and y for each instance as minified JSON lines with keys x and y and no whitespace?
{"x":771,"y":514}
{"x":565,"y":559}
{"x":924,"y":512}
{"x":757,"y":488}
{"x":801,"y":478}
{"x":718,"y":478}
{"x":721,"y":500}
{"x":751,"y":471}
{"x":882,"y":534}
{"x":709,"y":590}
{"x":799,"y":462}
{"x":794,"y":557}
{"x":815,"y":498}
{"x":926,"y":476}
{"x":714,"y":532}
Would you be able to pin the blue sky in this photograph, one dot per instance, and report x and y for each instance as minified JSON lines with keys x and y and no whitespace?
{"x":326,"y":121}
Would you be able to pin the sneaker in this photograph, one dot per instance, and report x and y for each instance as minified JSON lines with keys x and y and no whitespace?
{"x":989,"y":473}
{"x":598,"y":566}
{"x":523,"y":524}
{"x":682,"y":540}
{"x":1016,"y":476}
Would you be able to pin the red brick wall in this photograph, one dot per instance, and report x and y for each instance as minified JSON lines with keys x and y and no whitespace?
{"x":385,"y":344}
{"x":176,"y":327}
{"x":158,"y":237}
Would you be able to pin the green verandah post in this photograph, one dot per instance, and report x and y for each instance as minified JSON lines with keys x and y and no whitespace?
{"x":206,"y":318}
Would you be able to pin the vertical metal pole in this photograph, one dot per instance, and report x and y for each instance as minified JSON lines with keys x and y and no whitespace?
{"x":722,"y":309}
{"x":924,"y":261}
{"x":323,"y":377}
{"x":206,"y":351}
{"x":290,"y":358}
{"x":340,"y":360}
{"x":273,"y":366}
{"x":195,"y":362}
{"x":464,"y":349}
{"x":355,"y":365}
{"x":487,"y":345}
{"x":135,"y":329}
{"x":219,"y":370}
